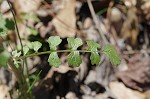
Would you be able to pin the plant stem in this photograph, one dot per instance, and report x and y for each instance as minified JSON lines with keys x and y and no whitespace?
{"x":24,"y":85}
{"x":16,"y":26}
{"x":58,"y":51}
{"x":17,"y":31}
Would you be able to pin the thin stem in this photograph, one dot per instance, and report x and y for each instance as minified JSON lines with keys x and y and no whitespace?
{"x":96,"y":21}
{"x":17,"y":31}
{"x":29,"y":89}
{"x":22,"y":70}
{"x":58,"y":51}
{"x":16,"y":26}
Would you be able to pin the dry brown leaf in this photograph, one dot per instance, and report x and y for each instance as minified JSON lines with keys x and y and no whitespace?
{"x":137,"y":76}
{"x":122,"y":92}
{"x":4,"y":92}
{"x":65,"y":21}
{"x":130,"y":29}
{"x":26,"y":6}
{"x":130,"y":3}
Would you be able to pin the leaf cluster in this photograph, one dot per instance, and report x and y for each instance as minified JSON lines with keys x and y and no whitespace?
{"x":73,"y":58}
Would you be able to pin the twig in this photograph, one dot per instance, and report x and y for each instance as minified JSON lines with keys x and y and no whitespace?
{"x":96,"y":22}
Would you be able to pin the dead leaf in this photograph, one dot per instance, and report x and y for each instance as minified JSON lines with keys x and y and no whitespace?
{"x":122,"y":92}
{"x":137,"y":76}
{"x":26,"y":6}
{"x":130,"y":3}
{"x":65,"y":21}
{"x":4,"y":92}
{"x":130,"y":28}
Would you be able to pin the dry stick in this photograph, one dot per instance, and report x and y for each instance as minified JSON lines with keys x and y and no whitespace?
{"x":96,"y":21}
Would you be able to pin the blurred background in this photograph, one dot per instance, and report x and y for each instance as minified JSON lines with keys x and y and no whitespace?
{"x":123,"y":23}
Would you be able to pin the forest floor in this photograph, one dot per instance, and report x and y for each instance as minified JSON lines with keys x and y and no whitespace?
{"x":125,"y":24}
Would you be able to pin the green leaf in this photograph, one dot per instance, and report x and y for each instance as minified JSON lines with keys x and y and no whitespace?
{"x":4,"y":57}
{"x":28,"y":16}
{"x":74,"y":43}
{"x":111,"y":52}
{"x":17,"y":63}
{"x":25,"y":50}
{"x":32,"y":30}
{"x":95,"y":58}
{"x":54,"y":41}
{"x":3,"y":29}
{"x":34,"y":78}
{"x":54,"y":59}
{"x":15,"y":53}
{"x":2,"y":21}
{"x":29,"y":44}
{"x":10,"y":25}
{"x":92,"y":45}
{"x":74,"y":58}
{"x":36,"y":45}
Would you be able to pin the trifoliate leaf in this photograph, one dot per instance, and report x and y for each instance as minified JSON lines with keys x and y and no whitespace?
{"x":36,"y":45}
{"x":95,"y":58}
{"x":25,"y":50}
{"x":111,"y":52}
{"x":4,"y":56}
{"x":15,"y":53}
{"x":54,"y":59}
{"x":74,"y":58}
{"x":74,"y":43}
{"x":54,"y":41}
{"x":92,"y":45}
